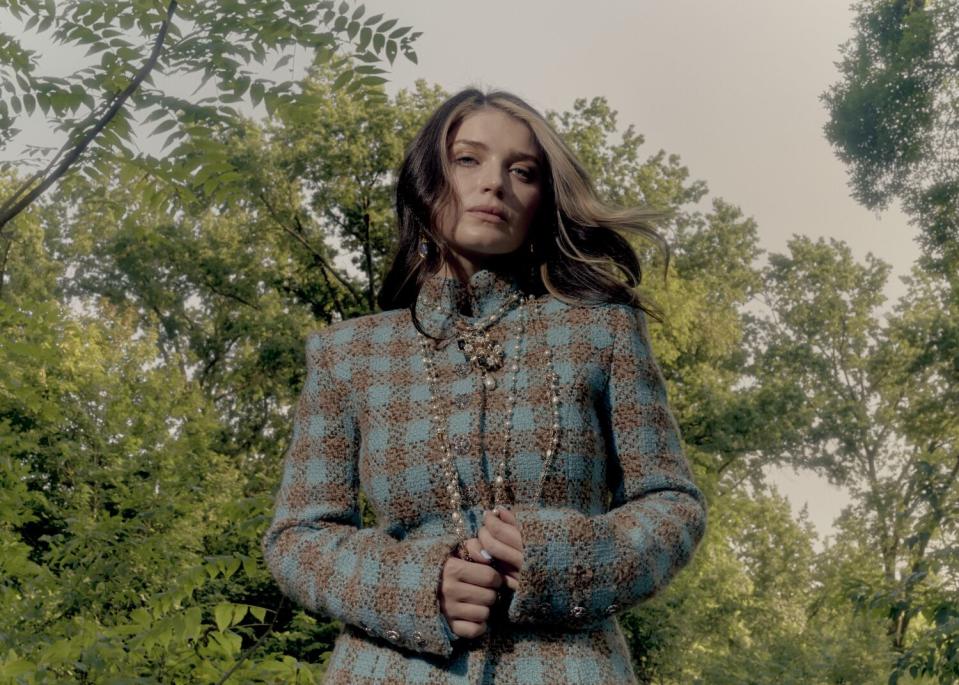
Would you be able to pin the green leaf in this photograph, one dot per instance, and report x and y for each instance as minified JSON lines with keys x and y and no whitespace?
{"x":369,"y":69}
{"x":386,"y":25}
{"x":256,"y":92}
{"x":222,"y":612}
{"x":358,"y":12}
{"x":366,"y":57}
{"x":342,"y":79}
{"x":378,"y":40}
{"x":372,"y":20}
{"x":391,"y":50}
{"x":399,"y":32}
{"x":366,"y":35}
{"x":165,"y":126}
{"x":155,"y":114}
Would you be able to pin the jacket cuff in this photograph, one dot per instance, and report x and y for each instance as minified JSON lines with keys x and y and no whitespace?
{"x":410,"y":615}
{"x":579,"y":571}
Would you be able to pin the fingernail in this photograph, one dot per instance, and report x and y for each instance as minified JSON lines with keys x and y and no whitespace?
{"x":486,"y":555}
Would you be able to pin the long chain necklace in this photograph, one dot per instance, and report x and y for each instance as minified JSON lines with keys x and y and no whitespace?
{"x":487,"y":356}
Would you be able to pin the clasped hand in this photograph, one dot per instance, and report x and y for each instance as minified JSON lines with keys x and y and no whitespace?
{"x":468,"y":589}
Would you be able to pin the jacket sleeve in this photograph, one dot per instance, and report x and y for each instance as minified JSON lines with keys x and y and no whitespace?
{"x":577,"y":569}
{"x":315,"y":548}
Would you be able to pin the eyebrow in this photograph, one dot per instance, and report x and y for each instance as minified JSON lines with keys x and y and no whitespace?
{"x":484,"y":146}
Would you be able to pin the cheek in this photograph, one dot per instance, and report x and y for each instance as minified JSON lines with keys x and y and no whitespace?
{"x":531,"y":204}
{"x":448,"y":218}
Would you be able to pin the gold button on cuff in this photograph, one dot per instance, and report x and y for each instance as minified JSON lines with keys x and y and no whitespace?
{"x":578,"y":611}
{"x":612,"y":609}
{"x":392,"y":635}
{"x":418,"y":638}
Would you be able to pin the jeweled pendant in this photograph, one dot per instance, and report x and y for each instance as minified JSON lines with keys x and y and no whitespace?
{"x":489,"y":382}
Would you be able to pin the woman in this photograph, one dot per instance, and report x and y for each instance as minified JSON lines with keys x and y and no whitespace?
{"x":504,"y":415}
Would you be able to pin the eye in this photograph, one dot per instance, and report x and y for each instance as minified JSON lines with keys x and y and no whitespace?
{"x":527,"y":174}
{"x":460,"y":159}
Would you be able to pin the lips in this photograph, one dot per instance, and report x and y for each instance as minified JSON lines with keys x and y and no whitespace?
{"x":488,"y":212}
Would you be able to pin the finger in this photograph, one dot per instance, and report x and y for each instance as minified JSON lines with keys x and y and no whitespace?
{"x":475,"y":547}
{"x":467,"y":593}
{"x":505,"y":532}
{"x":467,"y":629}
{"x":483,"y":575}
{"x":468,"y":611}
{"x":500,"y":550}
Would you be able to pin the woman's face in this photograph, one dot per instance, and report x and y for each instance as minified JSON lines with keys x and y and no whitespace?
{"x":495,"y":167}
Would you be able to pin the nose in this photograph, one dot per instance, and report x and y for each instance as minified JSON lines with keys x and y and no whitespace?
{"x":491,"y":178}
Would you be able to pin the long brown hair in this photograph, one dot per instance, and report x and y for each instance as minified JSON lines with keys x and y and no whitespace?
{"x":576,"y":250}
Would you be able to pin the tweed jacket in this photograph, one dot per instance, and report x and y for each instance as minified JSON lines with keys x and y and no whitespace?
{"x":618,"y":517}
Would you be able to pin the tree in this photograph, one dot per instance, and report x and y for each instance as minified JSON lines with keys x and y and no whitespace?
{"x":221,"y":33}
{"x":894,"y":116}
{"x":872,"y":408}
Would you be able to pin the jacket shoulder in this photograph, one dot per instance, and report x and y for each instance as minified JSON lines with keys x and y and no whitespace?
{"x":342,"y":334}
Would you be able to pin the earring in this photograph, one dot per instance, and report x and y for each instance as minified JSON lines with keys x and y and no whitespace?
{"x":424,"y":247}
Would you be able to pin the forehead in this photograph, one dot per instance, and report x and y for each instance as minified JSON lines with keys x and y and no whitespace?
{"x":497,"y":130}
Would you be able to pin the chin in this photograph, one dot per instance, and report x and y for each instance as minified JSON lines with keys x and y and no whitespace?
{"x":482,"y":248}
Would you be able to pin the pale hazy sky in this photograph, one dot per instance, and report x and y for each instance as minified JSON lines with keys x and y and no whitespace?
{"x":731,"y":86}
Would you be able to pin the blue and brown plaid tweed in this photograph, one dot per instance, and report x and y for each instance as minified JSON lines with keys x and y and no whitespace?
{"x":619,"y":514}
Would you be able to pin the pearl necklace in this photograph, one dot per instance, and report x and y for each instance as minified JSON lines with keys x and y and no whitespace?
{"x":500,"y":481}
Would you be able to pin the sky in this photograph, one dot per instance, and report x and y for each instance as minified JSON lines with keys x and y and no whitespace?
{"x":731,"y":86}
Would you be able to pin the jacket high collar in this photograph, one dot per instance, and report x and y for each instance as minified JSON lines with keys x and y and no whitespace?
{"x":442,"y":296}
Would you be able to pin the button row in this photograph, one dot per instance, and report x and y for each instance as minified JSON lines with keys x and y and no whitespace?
{"x":394,"y":635}
{"x":578,"y":611}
